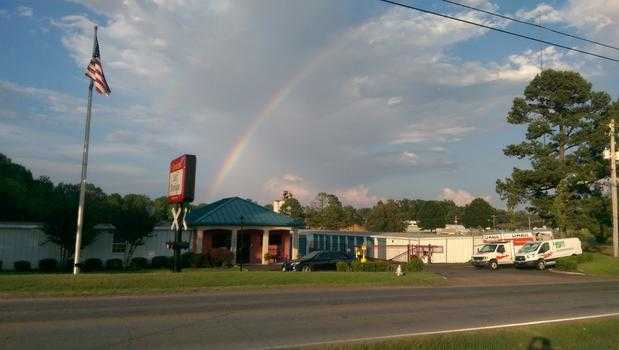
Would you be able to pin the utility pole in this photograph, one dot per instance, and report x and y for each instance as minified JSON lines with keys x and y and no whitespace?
{"x":612,"y":155}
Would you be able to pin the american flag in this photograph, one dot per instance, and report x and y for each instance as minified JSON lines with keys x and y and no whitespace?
{"x":95,"y":71}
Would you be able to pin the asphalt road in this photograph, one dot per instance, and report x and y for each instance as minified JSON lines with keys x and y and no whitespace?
{"x":287,"y":317}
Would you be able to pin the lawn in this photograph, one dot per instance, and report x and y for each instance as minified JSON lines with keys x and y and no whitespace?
{"x":595,"y":264}
{"x":193,"y":280}
{"x":589,"y":334}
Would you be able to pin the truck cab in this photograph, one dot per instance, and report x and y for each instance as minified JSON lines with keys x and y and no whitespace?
{"x":493,"y":254}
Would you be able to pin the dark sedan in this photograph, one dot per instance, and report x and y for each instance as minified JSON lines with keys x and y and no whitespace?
{"x":317,"y":260}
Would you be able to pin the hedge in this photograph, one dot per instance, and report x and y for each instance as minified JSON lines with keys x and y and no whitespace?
{"x":160,"y":262}
{"x":139,"y":263}
{"x":220,"y":257}
{"x":22,"y":266}
{"x":48,"y":265}
{"x":92,"y":264}
{"x":114,"y":264}
{"x":571,"y":262}
{"x":0,"y":265}
{"x":415,"y":265}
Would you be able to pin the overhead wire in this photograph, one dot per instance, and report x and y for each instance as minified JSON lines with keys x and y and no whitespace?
{"x":538,"y":25}
{"x":565,"y":47}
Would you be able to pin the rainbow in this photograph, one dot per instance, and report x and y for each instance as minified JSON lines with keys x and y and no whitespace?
{"x":274,"y":102}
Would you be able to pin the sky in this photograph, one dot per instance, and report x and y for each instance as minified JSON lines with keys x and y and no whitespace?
{"x":353,"y":97}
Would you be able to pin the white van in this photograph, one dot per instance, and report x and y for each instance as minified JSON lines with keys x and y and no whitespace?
{"x":545,"y":253}
{"x":493,"y":254}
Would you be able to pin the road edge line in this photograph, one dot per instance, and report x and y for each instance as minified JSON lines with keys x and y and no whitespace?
{"x":445,"y":331}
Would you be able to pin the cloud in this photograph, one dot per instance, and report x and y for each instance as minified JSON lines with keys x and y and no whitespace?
{"x":292,"y":183}
{"x":543,"y":12}
{"x":24,"y":11}
{"x":358,"y":196}
{"x":460,"y":197}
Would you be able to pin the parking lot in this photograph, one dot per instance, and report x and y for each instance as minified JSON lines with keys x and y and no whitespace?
{"x":464,"y":274}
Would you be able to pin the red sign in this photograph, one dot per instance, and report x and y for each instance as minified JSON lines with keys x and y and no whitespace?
{"x":182,"y":179}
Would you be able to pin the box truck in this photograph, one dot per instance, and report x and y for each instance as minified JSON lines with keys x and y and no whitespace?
{"x":493,"y":254}
{"x":545,"y":253}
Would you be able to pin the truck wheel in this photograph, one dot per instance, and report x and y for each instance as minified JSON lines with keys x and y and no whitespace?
{"x":541,"y":265}
{"x":493,"y":265}
{"x":307,"y":268}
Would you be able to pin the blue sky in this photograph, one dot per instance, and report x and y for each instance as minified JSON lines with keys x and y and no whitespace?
{"x":356,"y":98}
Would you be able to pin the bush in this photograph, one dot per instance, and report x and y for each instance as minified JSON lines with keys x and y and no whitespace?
{"x":48,"y":265}
{"x":139,"y":263}
{"x":185,"y":259}
{"x":92,"y":264}
{"x":198,"y":260}
{"x":22,"y":266}
{"x":114,"y":264}
{"x":370,"y":266}
{"x":221,"y":257}
{"x":342,"y":266}
{"x":569,"y":263}
{"x":160,"y":262}
{"x":0,"y":265}
{"x":414,"y":265}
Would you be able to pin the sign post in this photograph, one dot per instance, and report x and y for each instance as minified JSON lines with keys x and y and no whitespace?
{"x":181,"y":186}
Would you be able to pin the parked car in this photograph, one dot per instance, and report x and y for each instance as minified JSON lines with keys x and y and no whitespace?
{"x":545,"y":253}
{"x":317,"y":260}
{"x":494,"y":254}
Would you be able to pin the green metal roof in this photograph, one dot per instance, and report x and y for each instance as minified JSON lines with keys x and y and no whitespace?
{"x":235,"y":211}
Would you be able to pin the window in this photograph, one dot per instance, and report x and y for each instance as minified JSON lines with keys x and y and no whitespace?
{"x":501,"y":249}
{"x":342,"y":243}
{"x":118,"y":245}
{"x":545,"y":247}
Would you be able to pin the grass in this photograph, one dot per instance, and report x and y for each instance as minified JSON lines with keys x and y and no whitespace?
{"x":595,"y":264}
{"x":156,"y":282}
{"x":589,"y":334}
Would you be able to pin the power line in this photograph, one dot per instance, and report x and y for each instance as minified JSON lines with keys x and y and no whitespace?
{"x":531,"y":24}
{"x":501,"y":30}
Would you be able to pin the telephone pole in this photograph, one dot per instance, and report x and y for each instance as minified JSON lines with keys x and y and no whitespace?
{"x":612,"y":155}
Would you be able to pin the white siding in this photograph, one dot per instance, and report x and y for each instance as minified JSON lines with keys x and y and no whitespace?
{"x":22,"y":241}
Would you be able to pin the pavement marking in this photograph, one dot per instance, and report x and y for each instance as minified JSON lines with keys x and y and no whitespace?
{"x":458,"y":330}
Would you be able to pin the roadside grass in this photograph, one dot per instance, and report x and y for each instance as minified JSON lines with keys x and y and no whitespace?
{"x":595,"y":264}
{"x":157,"y":282}
{"x":588,"y":334}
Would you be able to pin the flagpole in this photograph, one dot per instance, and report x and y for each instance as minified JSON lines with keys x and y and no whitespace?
{"x":80,"y":209}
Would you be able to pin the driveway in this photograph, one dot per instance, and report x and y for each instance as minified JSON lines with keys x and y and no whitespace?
{"x":465,"y":274}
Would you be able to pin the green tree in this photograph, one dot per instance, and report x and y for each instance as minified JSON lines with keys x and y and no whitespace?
{"x":563,"y":118}
{"x":163,"y":210}
{"x":60,"y":225}
{"x":292,"y":208}
{"x":432,"y":215}
{"x":134,"y":218}
{"x":386,"y":217}
{"x":478,"y":214}
{"x":325,"y":212}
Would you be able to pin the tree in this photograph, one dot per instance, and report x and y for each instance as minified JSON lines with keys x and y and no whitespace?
{"x":134,"y":218}
{"x":431,"y":215}
{"x":478,"y":214}
{"x":563,"y":118}
{"x":386,"y":217}
{"x":60,"y":224}
{"x":292,"y":207}
{"x":325,"y":212}
{"x":162,"y":209}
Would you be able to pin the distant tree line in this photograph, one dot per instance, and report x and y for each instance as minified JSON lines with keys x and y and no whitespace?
{"x":327,"y":212}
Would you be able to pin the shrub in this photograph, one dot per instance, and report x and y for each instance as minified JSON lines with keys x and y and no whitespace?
{"x":567,"y":263}
{"x":22,"y":266}
{"x":139,"y":263}
{"x":92,"y":264}
{"x":370,"y":266}
{"x":342,"y":266}
{"x":114,"y":264}
{"x":160,"y":262}
{"x":414,"y":265}
{"x":584,"y":258}
{"x":185,"y":259}
{"x":48,"y":265}
{"x":221,"y":257}
{"x":0,"y":265}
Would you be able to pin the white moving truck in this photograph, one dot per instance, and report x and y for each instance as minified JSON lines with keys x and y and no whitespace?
{"x":493,"y":254}
{"x":545,"y":253}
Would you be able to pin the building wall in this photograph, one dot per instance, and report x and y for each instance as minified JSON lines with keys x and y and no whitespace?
{"x":27,"y":241}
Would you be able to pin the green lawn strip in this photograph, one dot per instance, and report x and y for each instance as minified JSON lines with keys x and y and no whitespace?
{"x":589,"y":334}
{"x":595,"y":264}
{"x":192,"y":280}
